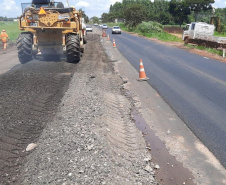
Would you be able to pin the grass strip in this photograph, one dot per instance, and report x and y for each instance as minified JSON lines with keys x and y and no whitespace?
{"x":218,"y":34}
{"x":12,"y":29}
{"x":163,"y":36}
{"x":210,"y":50}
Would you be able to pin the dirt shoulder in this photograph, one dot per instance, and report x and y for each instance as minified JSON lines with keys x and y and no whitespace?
{"x":8,"y":59}
{"x":10,"y":48}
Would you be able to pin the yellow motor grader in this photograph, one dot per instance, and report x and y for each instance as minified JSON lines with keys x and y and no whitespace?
{"x":50,"y":29}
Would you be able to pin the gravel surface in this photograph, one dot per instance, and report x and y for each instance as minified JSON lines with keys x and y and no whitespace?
{"x":29,"y":97}
{"x":92,"y":138}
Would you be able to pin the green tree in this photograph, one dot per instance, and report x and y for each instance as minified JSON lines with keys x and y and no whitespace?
{"x":134,"y":14}
{"x":95,"y":19}
{"x":199,"y":5}
{"x":86,"y":18}
{"x":179,"y":10}
{"x":164,"y":18}
{"x":221,"y":12}
{"x":105,"y":17}
{"x":116,"y":11}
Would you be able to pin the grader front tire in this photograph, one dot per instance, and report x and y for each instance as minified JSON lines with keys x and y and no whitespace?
{"x":24,"y":47}
{"x":73,"y":48}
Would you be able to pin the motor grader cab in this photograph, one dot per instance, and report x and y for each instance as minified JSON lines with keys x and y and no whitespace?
{"x":49,"y":28}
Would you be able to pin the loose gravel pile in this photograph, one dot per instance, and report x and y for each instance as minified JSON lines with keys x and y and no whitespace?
{"x":92,"y":139}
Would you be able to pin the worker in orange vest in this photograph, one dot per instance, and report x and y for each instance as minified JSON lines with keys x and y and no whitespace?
{"x":4,"y":38}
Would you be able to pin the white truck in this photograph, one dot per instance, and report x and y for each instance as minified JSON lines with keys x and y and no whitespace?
{"x":202,"y":34}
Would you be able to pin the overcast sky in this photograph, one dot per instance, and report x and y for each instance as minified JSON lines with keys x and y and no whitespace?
{"x":12,"y":8}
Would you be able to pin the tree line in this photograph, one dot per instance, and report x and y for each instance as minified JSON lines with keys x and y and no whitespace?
{"x":174,"y":12}
{"x":6,"y":19}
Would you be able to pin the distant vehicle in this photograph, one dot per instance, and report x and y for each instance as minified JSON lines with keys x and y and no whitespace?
{"x":116,"y":29}
{"x":101,"y":25}
{"x":202,"y":33}
{"x":105,"y":26}
{"x":89,"y":28}
{"x":95,"y":24}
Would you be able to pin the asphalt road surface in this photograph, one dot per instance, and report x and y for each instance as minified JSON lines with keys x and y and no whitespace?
{"x":194,"y":86}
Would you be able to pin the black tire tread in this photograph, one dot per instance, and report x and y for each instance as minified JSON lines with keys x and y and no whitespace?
{"x":84,"y":40}
{"x":24,"y":47}
{"x":186,"y":40}
{"x":73,"y":48}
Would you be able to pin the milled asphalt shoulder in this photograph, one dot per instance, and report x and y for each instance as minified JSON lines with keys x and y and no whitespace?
{"x":92,"y":138}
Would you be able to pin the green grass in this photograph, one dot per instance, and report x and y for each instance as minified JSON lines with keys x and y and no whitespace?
{"x":12,"y":29}
{"x":163,"y":36}
{"x":222,"y":34}
{"x":210,"y":50}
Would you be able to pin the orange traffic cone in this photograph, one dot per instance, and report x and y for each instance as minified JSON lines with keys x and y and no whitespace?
{"x":108,"y":38}
{"x":142,"y":75}
{"x":114,"y":44}
{"x":104,"y":33}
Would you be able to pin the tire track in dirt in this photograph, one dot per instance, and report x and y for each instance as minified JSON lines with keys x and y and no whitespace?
{"x":122,"y":134}
{"x":29,"y":97}
{"x":125,"y":143}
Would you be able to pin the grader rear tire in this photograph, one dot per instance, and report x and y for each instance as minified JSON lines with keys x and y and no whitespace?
{"x":186,"y":40}
{"x":73,"y":48}
{"x":24,"y":47}
{"x":84,"y":40}
{"x":204,"y":44}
